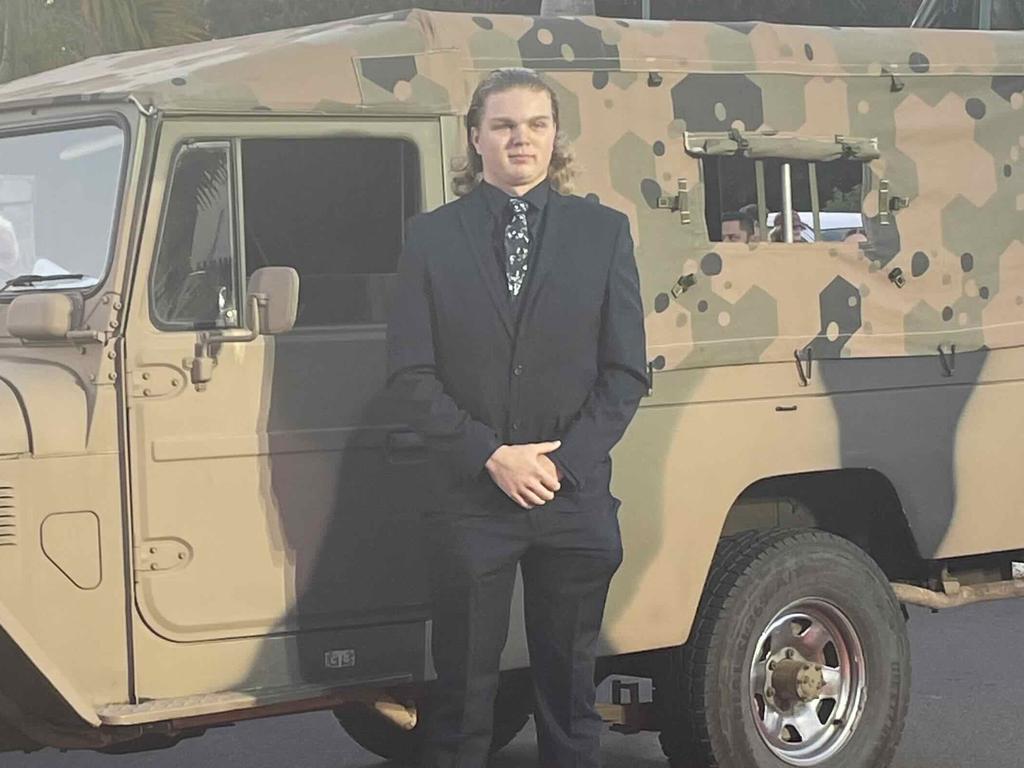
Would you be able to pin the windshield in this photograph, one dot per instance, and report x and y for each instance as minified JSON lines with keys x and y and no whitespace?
{"x":58,"y":201}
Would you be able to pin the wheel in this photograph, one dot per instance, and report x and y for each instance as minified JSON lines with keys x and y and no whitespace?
{"x":377,"y":734}
{"x":798,"y":657}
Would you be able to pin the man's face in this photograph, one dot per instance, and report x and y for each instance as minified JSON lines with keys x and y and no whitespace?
{"x":800,"y":230}
{"x":516,"y":138}
{"x":733,"y":232}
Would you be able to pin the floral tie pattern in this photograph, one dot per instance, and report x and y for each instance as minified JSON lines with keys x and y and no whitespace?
{"x":517,"y":245}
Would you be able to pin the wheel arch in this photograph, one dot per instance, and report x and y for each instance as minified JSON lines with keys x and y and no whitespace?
{"x":36,"y":698}
{"x":859,"y":504}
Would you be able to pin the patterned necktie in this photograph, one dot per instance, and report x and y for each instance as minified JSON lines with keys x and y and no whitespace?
{"x":517,"y":245}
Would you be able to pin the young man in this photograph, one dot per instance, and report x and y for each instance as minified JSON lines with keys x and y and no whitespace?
{"x":516,"y":349}
{"x":737,"y":227}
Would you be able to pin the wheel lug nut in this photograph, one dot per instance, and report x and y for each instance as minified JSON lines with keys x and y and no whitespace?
{"x":789,"y":653}
{"x":770,"y":693}
{"x":771,"y":665}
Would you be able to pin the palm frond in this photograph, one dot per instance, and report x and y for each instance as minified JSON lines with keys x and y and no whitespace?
{"x":119,"y":25}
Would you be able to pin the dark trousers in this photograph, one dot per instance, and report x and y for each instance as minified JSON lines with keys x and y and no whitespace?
{"x":567,"y":561}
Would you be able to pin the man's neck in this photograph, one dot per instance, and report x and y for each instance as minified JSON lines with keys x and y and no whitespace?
{"x":517,"y":191}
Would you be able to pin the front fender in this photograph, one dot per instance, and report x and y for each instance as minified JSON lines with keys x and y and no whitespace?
{"x":13,"y":427}
{"x":33,"y":686}
{"x":52,"y":406}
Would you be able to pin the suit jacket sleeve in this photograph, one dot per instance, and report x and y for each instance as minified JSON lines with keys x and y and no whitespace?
{"x":622,"y":370}
{"x":415,"y":388}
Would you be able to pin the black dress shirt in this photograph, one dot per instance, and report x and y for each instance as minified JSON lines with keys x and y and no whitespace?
{"x":501,"y":214}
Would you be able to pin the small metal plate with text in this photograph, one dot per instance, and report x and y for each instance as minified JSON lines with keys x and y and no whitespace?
{"x":340,"y":659}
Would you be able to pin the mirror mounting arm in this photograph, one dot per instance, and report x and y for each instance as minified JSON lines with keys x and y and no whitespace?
{"x":202,"y":365}
{"x":96,"y":337}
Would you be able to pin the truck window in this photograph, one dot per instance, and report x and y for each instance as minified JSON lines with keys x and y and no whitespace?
{"x":1008,"y":14}
{"x":59,"y":200}
{"x":335,"y":210}
{"x":971,"y":14}
{"x":194,"y":281}
{"x":947,"y":14}
{"x":826,"y":196}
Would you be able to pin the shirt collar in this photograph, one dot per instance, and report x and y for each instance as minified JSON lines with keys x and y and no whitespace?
{"x":497,"y":199}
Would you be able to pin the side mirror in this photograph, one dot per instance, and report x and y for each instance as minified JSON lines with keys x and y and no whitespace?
{"x":273,"y":298}
{"x":40,"y":317}
{"x":277,"y":292}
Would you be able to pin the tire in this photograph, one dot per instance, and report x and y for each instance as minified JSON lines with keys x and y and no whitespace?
{"x":827,"y":602}
{"x":13,"y":740}
{"x":375,"y":733}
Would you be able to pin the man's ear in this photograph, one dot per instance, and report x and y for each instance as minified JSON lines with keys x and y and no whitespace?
{"x":474,"y":138}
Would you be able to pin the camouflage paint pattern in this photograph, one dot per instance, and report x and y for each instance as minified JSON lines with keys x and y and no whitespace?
{"x":729,"y":407}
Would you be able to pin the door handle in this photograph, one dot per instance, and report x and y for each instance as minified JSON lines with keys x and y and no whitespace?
{"x":947,"y":360}
{"x":808,"y":359}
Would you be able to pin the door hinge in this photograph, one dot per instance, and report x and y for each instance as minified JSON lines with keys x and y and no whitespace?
{"x":678,"y":202}
{"x":158,"y":380}
{"x":889,"y":203}
{"x":157,"y":555}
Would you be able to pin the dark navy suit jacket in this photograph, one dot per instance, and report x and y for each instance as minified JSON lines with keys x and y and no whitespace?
{"x":468,"y":378}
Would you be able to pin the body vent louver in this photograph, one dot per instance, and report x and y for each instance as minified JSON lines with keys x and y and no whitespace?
{"x":8,"y":517}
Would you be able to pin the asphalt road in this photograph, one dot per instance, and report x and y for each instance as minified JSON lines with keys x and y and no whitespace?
{"x":965,"y":713}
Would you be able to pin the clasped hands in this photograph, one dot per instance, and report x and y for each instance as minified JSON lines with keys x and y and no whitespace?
{"x":525,"y":473}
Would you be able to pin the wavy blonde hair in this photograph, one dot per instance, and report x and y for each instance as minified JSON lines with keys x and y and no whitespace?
{"x":469,"y":170}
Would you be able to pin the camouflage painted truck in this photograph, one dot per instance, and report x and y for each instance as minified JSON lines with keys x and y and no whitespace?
{"x":206,"y":515}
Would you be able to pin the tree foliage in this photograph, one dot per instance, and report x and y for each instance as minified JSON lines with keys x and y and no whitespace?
{"x":234,"y":17}
{"x":41,"y":34}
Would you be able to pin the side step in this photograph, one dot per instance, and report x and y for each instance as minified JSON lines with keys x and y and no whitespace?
{"x":957,"y":595}
{"x":230,"y":706}
{"x":626,"y":713}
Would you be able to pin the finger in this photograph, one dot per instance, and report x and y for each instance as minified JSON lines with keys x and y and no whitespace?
{"x":548,"y":469}
{"x":552,"y":484}
{"x":548,"y":447}
{"x":532,"y":498}
{"x":514,"y":495}
{"x":537,"y":488}
{"x":547,"y":478}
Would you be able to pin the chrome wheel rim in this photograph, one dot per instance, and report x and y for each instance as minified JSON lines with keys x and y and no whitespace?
{"x":808,"y":682}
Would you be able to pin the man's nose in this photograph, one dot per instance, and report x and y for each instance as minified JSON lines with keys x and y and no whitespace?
{"x":519,"y":134}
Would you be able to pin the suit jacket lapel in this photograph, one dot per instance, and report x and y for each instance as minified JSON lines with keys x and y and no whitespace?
{"x":550,"y":250}
{"x":476,"y":224}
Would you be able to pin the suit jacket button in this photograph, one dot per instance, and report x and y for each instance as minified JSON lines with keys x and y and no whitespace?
{"x":517,"y":370}
{"x":515,"y":426}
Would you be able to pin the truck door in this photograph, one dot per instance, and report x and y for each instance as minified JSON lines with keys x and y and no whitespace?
{"x":264,"y":503}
